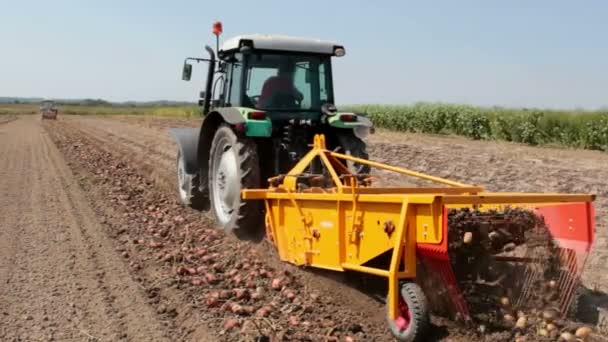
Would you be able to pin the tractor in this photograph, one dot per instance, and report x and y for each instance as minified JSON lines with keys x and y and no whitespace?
{"x":48,"y":110}
{"x":265,"y":98}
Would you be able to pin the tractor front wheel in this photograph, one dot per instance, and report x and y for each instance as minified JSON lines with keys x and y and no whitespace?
{"x":234,"y":165}
{"x":412,"y":324}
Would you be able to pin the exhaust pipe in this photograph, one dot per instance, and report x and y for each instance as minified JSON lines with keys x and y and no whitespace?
{"x":210,"y":73}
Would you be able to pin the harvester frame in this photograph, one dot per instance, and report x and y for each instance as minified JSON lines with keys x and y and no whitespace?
{"x":344,"y":223}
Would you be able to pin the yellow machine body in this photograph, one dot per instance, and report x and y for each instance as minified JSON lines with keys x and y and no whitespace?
{"x":344,"y":226}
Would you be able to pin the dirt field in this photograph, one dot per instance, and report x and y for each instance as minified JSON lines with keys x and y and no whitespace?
{"x":93,"y":244}
{"x":61,"y":278}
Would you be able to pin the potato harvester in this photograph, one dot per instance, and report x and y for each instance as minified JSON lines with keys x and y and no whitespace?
{"x":336,"y":220}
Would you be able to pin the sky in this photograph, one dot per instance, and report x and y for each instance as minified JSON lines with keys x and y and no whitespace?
{"x":517,"y":53}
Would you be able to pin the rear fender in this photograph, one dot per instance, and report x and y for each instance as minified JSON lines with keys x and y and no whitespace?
{"x":187,"y":142}
{"x":204,"y":139}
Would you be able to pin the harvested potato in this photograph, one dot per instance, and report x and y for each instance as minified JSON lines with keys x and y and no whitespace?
{"x":567,"y":337}
{"x":583,"y":332}
{"x":467,"y":238}
{"x":549,"y":315}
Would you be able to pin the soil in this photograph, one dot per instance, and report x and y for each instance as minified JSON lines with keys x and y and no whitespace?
{"x":98,"y":226}
{"x":7,"y":118}
{"x":61,"y":278}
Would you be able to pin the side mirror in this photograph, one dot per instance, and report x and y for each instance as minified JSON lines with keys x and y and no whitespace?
{"x":187,"y":72}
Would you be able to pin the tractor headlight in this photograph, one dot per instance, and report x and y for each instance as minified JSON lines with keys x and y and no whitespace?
{"x":362,"y":132}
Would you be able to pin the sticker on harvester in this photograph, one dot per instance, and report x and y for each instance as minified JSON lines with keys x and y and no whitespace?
{"x":327,"y":224}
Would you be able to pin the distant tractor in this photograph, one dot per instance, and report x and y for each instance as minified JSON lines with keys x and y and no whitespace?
{"x":48,"y":110}
{"x":265,"y":99}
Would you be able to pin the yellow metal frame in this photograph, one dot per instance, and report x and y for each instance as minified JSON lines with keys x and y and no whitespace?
{"x":345,"y":226}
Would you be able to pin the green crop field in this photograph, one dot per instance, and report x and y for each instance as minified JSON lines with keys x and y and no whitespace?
{"x":579,"y":129}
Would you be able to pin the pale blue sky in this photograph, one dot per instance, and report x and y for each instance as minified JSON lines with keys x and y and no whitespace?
{"x":510,"y":53}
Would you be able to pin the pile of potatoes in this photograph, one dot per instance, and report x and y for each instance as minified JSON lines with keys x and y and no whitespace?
{"x":493,"y":288}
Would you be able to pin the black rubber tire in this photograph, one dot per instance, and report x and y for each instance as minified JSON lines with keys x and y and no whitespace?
{"x":351,"y":145}
{"x":418,"y":307}
{"x":192,"y":196}
{"x":247,"y":220}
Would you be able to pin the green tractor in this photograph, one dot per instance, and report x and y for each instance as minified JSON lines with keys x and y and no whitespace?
{"x":265,"y":98}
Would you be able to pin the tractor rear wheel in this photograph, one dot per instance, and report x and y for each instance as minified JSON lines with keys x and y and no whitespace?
{"x":234,"y":165}
{"x":350,"y":145}
{"x":188,"y":186}
{"x":413,"y":322}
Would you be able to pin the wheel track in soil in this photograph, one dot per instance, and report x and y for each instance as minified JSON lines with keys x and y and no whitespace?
{"x":61,"y":277}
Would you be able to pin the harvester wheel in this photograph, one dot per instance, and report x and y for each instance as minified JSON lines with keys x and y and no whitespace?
{"x":353,"y":146}
{"x":234,"y":165}
{"x":413,"y":322}
{"x":188,"y":187}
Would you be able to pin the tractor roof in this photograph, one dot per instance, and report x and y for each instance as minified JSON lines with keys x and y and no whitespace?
{"x":282,"y":43}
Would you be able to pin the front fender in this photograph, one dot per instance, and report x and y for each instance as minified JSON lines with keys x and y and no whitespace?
{"x":187,"y":142}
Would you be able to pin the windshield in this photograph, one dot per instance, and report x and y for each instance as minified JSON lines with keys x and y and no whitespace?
{"x":288,"y":82}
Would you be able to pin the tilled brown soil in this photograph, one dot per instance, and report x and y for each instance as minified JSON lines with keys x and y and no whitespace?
{"x":144,"y":142}
{"x":60,"y":277}
{"x":202,"y":285}
{"x":4,"y":119}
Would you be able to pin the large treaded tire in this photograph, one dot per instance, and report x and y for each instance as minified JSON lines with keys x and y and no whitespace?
{"x":188,"y":187}
{"x":246,"y":220}
{"x":349,"y":144}
{"x":418,"y":309}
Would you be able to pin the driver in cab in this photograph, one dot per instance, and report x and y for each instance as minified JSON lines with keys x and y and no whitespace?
{"x":279,"y":91}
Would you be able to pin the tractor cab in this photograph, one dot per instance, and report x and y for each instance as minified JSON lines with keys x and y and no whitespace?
{"x":279,"y":74}
{"x":287,"y":77}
